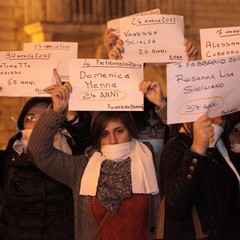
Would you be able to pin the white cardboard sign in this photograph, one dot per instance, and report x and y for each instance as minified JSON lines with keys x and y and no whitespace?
{"x":153,"y":38}
{"x":220,"y":42}
{"x":105,"y":85}
{"x":197,"y":87}
{"x":115,"y":23}
{"x":61,"y":51}
{"x":24,"y":74}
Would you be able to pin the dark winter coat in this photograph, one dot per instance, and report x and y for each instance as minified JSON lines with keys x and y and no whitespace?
{"x":33,"y":205}
{"x":188,"y":179}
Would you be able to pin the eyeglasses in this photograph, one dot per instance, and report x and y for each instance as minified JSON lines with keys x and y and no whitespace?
{"x":158,"y":128}
{"x":30,"y":119}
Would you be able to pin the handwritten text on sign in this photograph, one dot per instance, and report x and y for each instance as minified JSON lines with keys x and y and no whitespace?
{"x":153,"y":38}
{"x":25,"y":73}
{"x":105,"y":85}
{"x":60,"y":51}
{"x":197,"y":87}
{"x":220,"y":42}
{"x":115,"y":23}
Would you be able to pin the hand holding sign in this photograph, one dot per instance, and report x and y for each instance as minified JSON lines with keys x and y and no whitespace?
{"x":60,"y":97}
{"x":153,"y":38}
{"x":153,"y":92}
{"x":202,"y":132}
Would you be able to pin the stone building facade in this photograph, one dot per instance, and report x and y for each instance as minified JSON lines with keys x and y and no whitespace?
{"x":76,"y":20}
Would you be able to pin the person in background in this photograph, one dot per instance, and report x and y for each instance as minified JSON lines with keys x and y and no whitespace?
{"x":150,"y":129}
{"x":113,"y":183}
{"x":232,"y":136}
{"x":231,"y":139}
{"x":33,"y":205}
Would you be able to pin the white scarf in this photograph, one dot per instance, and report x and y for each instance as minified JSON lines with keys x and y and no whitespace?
{"x":142,"y":167}
{"x":235,"y":147}
{"x":218,"y":130}
{"x":60,"y":142}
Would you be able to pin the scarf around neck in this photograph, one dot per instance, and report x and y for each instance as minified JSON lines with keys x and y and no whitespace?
{"x":142,"y":167}
{"x":60,"y":142}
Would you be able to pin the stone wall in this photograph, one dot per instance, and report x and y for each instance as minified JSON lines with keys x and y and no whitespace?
{"x":197,"y":14}
{"x":11,"y":39}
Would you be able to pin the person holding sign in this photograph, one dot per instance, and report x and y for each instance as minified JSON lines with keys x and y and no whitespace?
{"x":192,"y":175}
{"x":196,"y":170}
{"x":77,"y":122}
{"x":113,"y":183}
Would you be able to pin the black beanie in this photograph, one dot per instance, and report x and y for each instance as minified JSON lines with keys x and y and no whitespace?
{"x":27,"y":106}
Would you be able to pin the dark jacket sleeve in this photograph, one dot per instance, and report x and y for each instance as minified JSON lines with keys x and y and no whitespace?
{"x":55,"y":163}
{"x":181,"y":173}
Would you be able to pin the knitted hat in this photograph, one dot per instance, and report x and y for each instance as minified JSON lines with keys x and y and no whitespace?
{"x":27,"y":106}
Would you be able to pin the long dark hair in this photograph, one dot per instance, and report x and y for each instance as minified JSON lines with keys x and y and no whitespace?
{"x":101,"y":119}
{"x":231,"y":120}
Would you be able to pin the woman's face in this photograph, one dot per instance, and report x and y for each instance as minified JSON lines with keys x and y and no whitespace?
{"x":33,"y":115}
{"x":235,"y":134}
{"x":154,"y":129}
{"x":115,"y":132}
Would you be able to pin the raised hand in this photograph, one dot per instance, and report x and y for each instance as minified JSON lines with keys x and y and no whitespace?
{"x":109,"y":39}
{"x":153,"y":92}
{"x":116,"y":52}
{"x":51,"y":88}
{"x":190,"y":50}
{"x":202,"y":132}
{"x":60,"y":97}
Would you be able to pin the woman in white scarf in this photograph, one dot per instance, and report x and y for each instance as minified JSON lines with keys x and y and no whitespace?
{"x":120,"y":177}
